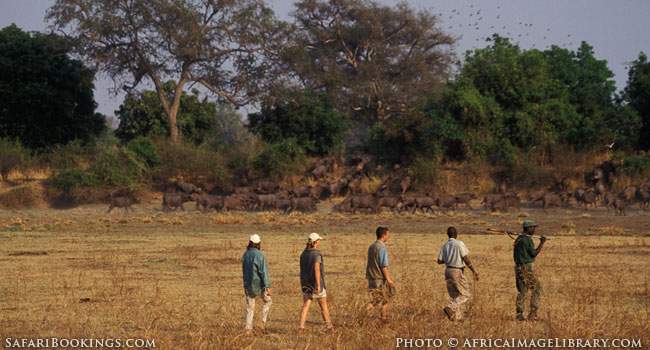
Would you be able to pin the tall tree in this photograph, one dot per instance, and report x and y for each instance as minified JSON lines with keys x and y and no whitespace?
{"x":374,"y":61}
{"x":219,"y":44}
{"x":141,"y":114}
{"x":46,"y":98}
{"x":637,"y":95}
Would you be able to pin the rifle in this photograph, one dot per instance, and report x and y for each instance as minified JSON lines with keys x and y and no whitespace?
{"x":511,"y":234}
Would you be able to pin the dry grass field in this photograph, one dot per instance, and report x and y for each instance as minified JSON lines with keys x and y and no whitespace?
{"x":176,"y":277}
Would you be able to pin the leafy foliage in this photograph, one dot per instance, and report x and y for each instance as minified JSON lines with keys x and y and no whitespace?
{"x":280,"y":159}
{"x":190,"y":163}
{"x":46,"y":97}
{"x":376,"y":63}
{"x":637,"y":95}
{"x":309,"y":119}
{"x":506,"y":101}
{"x":144,"y":149}
{"x":12,"y":157}
{"x":188,"y":41}
{"x":142,"y":114}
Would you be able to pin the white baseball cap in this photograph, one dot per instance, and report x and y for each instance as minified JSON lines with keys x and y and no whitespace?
{"x":313,"y":237}
{"x":255,"y":238}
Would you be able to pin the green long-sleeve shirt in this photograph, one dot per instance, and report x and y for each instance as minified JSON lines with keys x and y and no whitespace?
{"x":524,"y":250}
{"x":256,"y":273}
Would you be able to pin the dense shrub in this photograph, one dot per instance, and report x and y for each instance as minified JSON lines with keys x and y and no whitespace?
{"x":20,"y":197}
{"x":145,"y":150}
{"x":309,"y":119}
{"x":68,"y":180}
{"x":191,"y":163}
{"x":425,"y":171}
{"x":118,"y":167}
{"x":280,"y":159}
{"x":12,"y":157}
{"x":70,"y":156}
{"x":637,"y":165}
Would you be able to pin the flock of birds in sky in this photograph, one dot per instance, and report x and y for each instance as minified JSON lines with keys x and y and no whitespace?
{"x":470,"y":18}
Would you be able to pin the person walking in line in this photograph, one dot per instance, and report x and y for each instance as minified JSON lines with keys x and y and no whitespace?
{"x":381,"y":286}
{"x":257,"y":283}
{"x":455,"y":256}
{"x":524,"y":254}
{"x":312,"y":280}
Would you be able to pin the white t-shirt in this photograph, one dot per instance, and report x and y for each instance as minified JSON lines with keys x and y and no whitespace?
{"x":453,"y":252}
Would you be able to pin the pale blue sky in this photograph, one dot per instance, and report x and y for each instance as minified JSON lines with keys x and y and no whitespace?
{"x":618,"y":30}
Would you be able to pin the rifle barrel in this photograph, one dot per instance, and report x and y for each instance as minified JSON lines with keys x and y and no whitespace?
{"x":514,"y":233}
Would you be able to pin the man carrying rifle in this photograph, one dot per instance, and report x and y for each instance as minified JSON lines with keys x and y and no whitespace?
{"x":524,"y":253}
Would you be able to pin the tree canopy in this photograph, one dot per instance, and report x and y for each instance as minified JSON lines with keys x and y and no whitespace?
{"x":199,"y":120}
{"x":374,"y":61}
{"x":308,"y":118}
{"x":637,"y":95}
{"x":219,"y":44}
{"x":508,"y":98}
{"x":46,"y":98}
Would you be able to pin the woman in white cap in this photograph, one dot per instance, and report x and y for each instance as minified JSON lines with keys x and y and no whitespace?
{"x":312,"y":280}
{"x":257,"y":282}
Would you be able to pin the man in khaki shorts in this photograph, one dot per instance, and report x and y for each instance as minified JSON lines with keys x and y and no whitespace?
{"x":381,"y":286}
{"x":455,"y":256}
{"x":312,"y":280}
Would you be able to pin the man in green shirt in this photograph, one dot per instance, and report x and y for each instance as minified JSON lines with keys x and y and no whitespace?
{"x":257,"y":282}
{"x":524,"y":254}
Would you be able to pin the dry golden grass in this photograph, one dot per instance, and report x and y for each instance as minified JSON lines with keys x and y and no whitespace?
{"x":176,"y":277}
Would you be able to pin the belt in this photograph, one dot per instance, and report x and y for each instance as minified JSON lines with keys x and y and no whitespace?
{"x":454,"y":267}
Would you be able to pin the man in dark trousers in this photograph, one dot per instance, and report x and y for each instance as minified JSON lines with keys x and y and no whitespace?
{"x":381,"y":286}
{"x":524,"y":253}
{"x":312,"y":281}
{"x":455,"y":255}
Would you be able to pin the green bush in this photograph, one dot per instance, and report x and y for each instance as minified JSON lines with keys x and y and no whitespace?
{"x":145,"y":150}
{"x":636,"y":165}
{"x":194,"y":164}
{"x":425,"y":171}
{"x":280,"y":159}
{"x":70,"y":156}
{"x":12,"y":157}
{"x":530,"y":175}
{"x":310,"y":119}
{"x":501,"y":152}
{"x":118,"y":167}
{"x":70,"y":179}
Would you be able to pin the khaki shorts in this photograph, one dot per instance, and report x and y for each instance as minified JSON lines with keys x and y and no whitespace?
{"x":311,"y":296}
{"x":380,"y":293}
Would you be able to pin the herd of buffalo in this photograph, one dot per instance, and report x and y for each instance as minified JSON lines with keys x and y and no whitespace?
{"x":394,"y":194}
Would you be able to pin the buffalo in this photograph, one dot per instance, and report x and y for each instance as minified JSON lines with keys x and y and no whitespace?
{"x":363,"y":201}
{"x":391,"y":202}
{"x":124,"y":202}
{"x":205,"y":202}
{"x":464,"y":198}
{"x":425,"y":203}
{"x":175,"y":200}
{"x":642,"y":195}
{"x":266,"y":187}
{"x":303,"y":204}
{"x":236,"y":202}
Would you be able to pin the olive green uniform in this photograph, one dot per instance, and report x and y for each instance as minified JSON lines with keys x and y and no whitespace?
{"x":524,"y":255}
